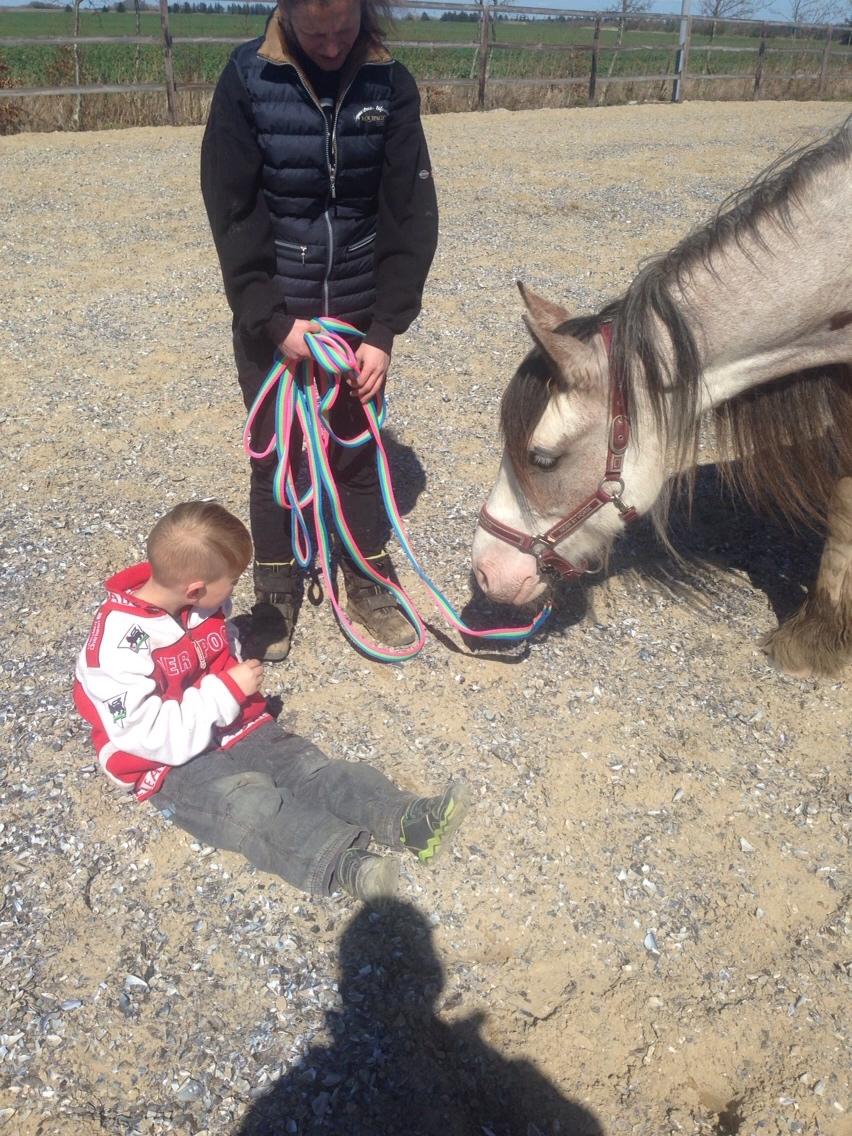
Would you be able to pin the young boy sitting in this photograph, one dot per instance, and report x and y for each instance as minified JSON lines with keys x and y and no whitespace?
{"x":177,"y":719}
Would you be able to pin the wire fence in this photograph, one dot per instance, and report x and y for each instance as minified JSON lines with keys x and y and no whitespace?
{"x":467,"y":56}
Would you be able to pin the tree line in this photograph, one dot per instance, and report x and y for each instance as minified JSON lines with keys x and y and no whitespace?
{"x":802,"y":12}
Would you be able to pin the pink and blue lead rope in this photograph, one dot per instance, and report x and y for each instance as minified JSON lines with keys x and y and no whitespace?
{"x":305,"y":391}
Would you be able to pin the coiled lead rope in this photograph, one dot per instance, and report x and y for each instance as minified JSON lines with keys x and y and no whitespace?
{"x":305,"y":390}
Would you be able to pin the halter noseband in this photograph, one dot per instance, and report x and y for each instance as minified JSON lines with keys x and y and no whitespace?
{"x":610,"y":490}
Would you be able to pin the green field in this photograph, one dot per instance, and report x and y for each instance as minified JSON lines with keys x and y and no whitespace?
{"x":38,"y":66}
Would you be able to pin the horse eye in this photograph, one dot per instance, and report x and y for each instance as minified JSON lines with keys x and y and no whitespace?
{"x":541,"y":461}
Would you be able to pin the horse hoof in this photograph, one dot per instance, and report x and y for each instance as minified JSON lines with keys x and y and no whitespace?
{"x":788,"y":672}
{"x":769,"y":645}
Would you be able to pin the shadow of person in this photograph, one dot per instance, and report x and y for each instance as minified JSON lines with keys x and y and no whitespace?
{"x":395,"y":1067}
{"x":409,"y":476}
{"x":408,"y":479}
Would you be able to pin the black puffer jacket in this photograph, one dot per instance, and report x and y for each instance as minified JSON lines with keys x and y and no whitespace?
{"x":315,"y":214}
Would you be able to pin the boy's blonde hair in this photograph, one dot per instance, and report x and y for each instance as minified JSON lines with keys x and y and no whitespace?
{"x":198,"y":540}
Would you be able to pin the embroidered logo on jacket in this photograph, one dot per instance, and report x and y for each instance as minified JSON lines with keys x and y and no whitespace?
{"x":135,"y":640}
{"x":118,"y":708}
{"x":372,"y":115}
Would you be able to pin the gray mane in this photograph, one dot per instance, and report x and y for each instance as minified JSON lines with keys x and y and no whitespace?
{"x":775,"y":417}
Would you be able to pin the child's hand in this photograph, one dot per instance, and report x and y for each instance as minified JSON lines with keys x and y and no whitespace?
{"x":248,"y":676}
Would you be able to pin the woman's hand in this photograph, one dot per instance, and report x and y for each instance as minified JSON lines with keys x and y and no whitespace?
{"x":294,"y":346}
{"x":373,"y":364}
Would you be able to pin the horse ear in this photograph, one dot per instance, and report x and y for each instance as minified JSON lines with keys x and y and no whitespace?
{"x":573,"y":361}
{"x":544,"y":313}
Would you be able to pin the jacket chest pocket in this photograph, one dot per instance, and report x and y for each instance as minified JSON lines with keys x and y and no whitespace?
{"x":362,"y":246}
{"x":288,"y":250}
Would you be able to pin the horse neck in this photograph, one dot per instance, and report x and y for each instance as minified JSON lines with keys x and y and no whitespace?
{"x":766,"y":304}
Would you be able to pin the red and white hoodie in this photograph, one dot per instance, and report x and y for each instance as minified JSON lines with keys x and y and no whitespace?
{"x":154,"y":686}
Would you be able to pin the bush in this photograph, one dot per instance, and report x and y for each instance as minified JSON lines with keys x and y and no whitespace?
{"x":10,"y":110}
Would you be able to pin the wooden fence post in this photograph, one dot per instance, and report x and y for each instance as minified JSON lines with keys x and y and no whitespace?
{"x":682,"y":57}
{"x":483,"y":55}
{"x":593,"y":73}
{"x":826,"y":52}
{"x":758,"y":71}
{"x":707,"y":54}
{"x":78,"y":98}
{"x":168,"y":66}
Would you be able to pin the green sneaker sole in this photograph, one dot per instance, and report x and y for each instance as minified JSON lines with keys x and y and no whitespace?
{"x":460,"y":799}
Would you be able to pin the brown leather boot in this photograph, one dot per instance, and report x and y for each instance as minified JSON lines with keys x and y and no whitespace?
{"x":373,"y":606}
{"x":278,"y":591}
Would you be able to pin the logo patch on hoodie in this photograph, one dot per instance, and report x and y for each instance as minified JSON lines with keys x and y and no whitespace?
{"x":118,"y":708}
{"x":372,"y":115}
{"x":135,"y":640}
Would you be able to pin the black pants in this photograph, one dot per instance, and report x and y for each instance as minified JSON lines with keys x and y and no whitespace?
{"x":354,"y":470}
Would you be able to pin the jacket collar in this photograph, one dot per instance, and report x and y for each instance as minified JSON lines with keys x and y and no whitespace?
{"x":275,"y":49}
{"x":121,"y":588}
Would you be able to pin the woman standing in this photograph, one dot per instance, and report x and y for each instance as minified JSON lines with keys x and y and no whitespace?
{"x":318,"y":187}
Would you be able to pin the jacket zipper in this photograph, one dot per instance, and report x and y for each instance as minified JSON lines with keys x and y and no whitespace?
{"x":303,"y":249}
{"x":331,"y":162}
{"x":332,"y":174}
{"x":332,"y":167}
{"x":331,"y":158}
{"x":362,"y":243}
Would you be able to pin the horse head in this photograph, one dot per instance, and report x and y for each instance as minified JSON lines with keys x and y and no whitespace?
{"x":571,"y":471}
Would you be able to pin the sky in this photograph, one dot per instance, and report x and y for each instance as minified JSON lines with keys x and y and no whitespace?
{"x":772,"y":10}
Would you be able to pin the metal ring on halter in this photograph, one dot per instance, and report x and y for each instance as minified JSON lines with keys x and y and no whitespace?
{"x":592,"y":567}
{"x":540,"y":546}
{"x":612,"y":481}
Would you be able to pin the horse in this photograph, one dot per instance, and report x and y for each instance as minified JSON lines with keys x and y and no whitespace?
{"x":746,"y":324}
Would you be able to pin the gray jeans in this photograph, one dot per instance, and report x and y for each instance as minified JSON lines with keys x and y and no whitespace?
{"x":284,"y":805}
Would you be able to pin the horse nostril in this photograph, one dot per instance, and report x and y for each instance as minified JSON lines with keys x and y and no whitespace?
{"x":481,"y":578}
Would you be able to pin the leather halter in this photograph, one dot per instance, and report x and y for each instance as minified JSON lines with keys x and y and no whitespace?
{"x":609,"y":491}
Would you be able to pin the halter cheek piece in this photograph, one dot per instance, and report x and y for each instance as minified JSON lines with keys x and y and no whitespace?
{"x":610,"y":490}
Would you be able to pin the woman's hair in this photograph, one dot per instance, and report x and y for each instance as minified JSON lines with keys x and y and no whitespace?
{"x":375,"y":16}
{"x":198,"y":540}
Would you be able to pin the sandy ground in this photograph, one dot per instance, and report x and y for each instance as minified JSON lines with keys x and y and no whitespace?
{"x":649,"y":904}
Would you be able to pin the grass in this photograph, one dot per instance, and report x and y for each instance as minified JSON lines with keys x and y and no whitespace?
{"x":49,"y":65}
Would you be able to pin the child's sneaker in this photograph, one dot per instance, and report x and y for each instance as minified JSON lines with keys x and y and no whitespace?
{"x":428,"y":824}
{"x":367,"y":876}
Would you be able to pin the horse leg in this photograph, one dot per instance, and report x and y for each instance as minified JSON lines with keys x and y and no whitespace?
{"x":817,"y":640}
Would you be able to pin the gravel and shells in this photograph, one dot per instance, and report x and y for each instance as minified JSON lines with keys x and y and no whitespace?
{"x":643,"y":927}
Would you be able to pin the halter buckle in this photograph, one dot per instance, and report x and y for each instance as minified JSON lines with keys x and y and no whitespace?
{"x":540,"y":545}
